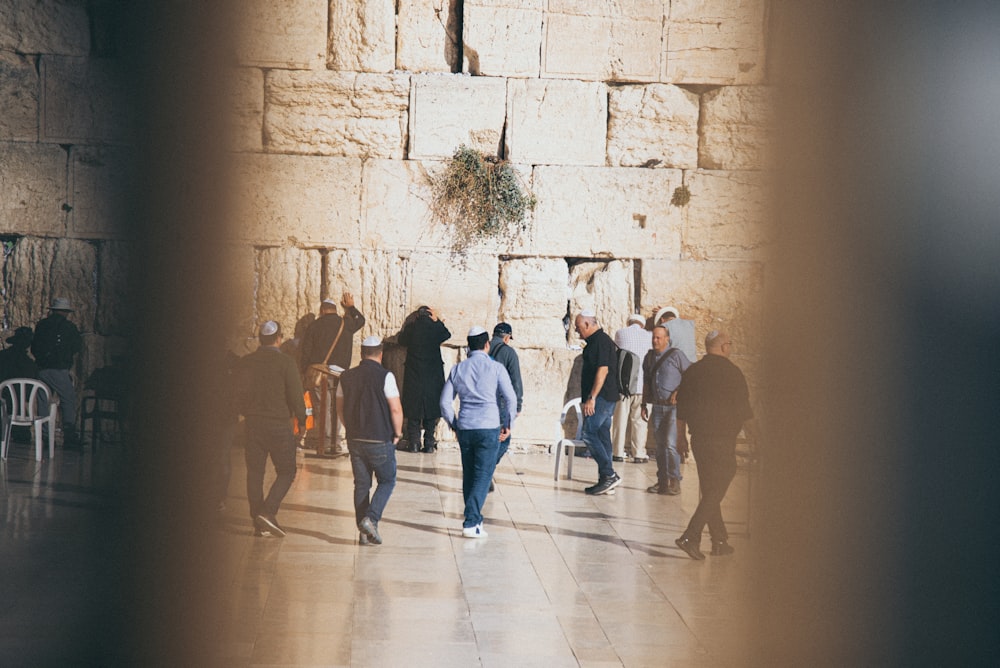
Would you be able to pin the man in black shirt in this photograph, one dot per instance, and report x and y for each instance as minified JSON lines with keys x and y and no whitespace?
{"x":423,"y":334}
{"x":57,"y":342}
{"x":598,"y":395}
{"x":714,"y":401}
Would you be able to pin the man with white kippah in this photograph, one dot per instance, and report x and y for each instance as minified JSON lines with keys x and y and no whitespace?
{"x":369,"y":406}
{"x":268,"y":393}
{"x":478,"y":382}
{"x":598,"y":395}
{"x":628,"y":428}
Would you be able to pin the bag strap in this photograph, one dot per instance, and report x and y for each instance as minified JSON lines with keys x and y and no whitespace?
{"x":652,"y":372}
{"x":326,"y":360}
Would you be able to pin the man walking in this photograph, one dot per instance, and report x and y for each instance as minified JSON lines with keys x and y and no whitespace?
{"x":478,"y":382}
{"x":662,"y":369}
{"x":504,"y":353}
{"x":628,"y":429}
{"x":714,"y":400}
{"x":269,"y":392}
{"x":598,"y":396}
{"x":57,"y":341}
{"x":369,"y":406}
{"x":424,"y":376}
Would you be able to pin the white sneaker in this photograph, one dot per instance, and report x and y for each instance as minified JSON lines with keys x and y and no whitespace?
{"x":475,"y":532}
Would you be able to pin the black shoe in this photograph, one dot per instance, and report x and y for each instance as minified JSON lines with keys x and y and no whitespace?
{"x":722,"y":549}
{"x":640,"y":460}
{"x":617,"y":459}
{"x":268,"y":524}
{"x":429,"y":449}
{"x":605,"y":485}
{"x":369,"y":528}
{"x":690,"y":547}
{"x":492,"y":486}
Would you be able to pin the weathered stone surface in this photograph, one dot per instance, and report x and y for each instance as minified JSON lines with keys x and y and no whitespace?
{"x":608,"y":288}
{"x":40,"y":269}
{"x":551,"y":378}
{"x":32,"y":189}
{"x":654,"y":125}
{"x":534,"y":293}
{"x":502,"y":37}
{"x":727,"y":216}
{"x":45,"y":26}
{"x":603,"y":41}
{"x":19,"y":90}
{"x":736,"y":128}
{"x":446,"y":111}
{"x":290,"y":34}
{"x":727,"y":296}
{"x":464,"y":296}
{"x":239,"y":285}
{"x":103,"y":187}
{"x":85,"y":101}
{"x":246,"y":97}
{"x":715,"y":42}
{"x":288,"y":285}
{"x":114,"y":313}
{"x":362,"y":35}
{"x":605,"y":211}
{"x":427,"y":36}
{"x":336,"y":113}
{"x":308,"y":199}
{"x":552,"y":122}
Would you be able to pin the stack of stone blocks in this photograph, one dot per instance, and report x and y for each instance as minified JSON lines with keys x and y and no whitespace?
{"x":343,"y":113}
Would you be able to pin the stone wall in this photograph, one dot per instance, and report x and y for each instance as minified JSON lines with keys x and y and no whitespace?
{"x":344,"y":111}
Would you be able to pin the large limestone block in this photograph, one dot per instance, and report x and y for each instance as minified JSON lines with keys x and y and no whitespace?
{"x":238,"y":286}
{"x":728,"y":296}
{"x":551,"y":378}
{"x":362,"y":35}
{"x":604,"y":41}
{"x":32,"y":189}
{"x":502,"y":37}
{"x":552,"y":122}
{"x":307,"y":199}
{"x":103,"y":187}
{"x":463,"y":295}
{"x":605,"y":211}
{"x":290,"y":34}
{"x":728,"y":215}
{"x":715,"y":42}
{"x":246,"y":95}
{"x":653,"y":125}
{"x":114,"y":313}
{"x":40,"y":269}
{"x":607,"y":288}
{"x":44,"y":26}
{"x":534,"y":293}
{"x":736,"y":128}
{"x":336,"y":113}
{"x":19,"y":89}
{"x":85,"y":101}
{"x":427,"y":36}
{"x":288,"y":285}
{"x":446,"y":111}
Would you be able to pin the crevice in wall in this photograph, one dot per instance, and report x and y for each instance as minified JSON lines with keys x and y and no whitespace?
{"x":324,"y":273}
{"x":637,"y":285}
{"x":7,"y":244}
{"x":458,"y":16}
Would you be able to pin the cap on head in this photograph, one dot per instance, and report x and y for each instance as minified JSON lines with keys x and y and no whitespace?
{"x":269,"y":328}
{"x":670,"y":309}
{"x":60,"y":304}
{"x":476,"y":330}
{"x":635,"y":317}
{"x":22,"y":337}
{"x":328,"y":302}
{"x":503,"y":329}
{"x":588,"y":313}
{"x":371,"y":342}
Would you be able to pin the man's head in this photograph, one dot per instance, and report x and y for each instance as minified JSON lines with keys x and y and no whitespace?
{"x":424,"y":312}
{"x":371,"y":348}
{"x":661,"y":338}
{"x":22,"y":338}
{"x":635,"y":319}
{"x":478,"y":338}
{"x":504,"y":331}
{"x":61,"y":306}
{"x":718,"y":343}
{"x":327,"y":306}
{"x":667,"y":313}
{"x":269,"y":334}
{"x":586,"y":323}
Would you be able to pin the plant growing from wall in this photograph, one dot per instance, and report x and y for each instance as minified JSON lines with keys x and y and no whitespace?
{"x":479,"y":198}
{"x":681,"y":196}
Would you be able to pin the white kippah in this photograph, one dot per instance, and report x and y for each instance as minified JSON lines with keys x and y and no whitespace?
{"x":588,"y":313}
{"x":476,"y":330}
{"x":371,"y":342}
{"x":635,"y":317}
{"x":329,"y":301}
{"x":268,"y":328}
{"x":670,"y":309}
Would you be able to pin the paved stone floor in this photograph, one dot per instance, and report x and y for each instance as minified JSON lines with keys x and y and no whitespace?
{"x":564,"y":579}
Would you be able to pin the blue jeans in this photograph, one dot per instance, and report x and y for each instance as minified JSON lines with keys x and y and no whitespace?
{"x":265,"y":437}
{"x":479,"y":460}
{"x":663,"y":424}
{"x":597,"y":435}
{"x":367,"y":459}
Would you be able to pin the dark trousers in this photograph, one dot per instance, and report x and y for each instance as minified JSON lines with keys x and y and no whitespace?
{"x":716,"y":459}
{"x":274,"y":438}
{"x":367,"y":459}
{"x":413,"y":431}
{"x":479,"y":460}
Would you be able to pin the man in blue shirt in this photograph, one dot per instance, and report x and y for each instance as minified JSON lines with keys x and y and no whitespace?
{"x":662,"y":369}
{"x":478,"y":382}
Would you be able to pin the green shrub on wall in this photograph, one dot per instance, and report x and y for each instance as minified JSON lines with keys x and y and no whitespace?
{"x":480,"y":198}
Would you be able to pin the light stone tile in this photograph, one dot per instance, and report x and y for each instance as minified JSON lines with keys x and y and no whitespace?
{"x":103,"y":187}
{"x":534,"y":295}
{"x":538,"y":131}
{"x":502,"y":37}
{"x":84,"y":100}
{"x":19,"y":97}
{"x":464,"y":296}
{"x":652,"y":125}
{"x":33,"y":181}
{"x":290,"y":35}
{"x":448,"y":111}
{"x":289,"y":285}
{"x":715,"y":42}
{"x":728,"y":216}
{"x":246,"y":96}
{"x":427,"y":38}
{"x":602,"y":46}
{"x":362,"y":35}
{"x":737,"y":128}
{"x":45,"y":26}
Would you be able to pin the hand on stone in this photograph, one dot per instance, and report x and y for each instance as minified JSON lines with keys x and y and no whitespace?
{"x":347,"y":300}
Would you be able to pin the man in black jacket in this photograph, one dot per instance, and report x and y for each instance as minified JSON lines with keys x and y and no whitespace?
{"x":503,"y":352}
{"x":424,"y":376}
{"x":14,"y":360}
{"x":57,"y":342}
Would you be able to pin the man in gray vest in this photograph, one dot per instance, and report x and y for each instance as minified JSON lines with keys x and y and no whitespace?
{"x":369,"y":406}
{"x":503,"y":352}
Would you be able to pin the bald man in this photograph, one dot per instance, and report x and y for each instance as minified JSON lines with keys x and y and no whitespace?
{"x":598,"y":396}
{"x":714,"y":401}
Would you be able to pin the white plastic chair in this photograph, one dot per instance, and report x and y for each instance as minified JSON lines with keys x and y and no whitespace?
{"x":31,"y":404}
{"x":565,"y":445}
